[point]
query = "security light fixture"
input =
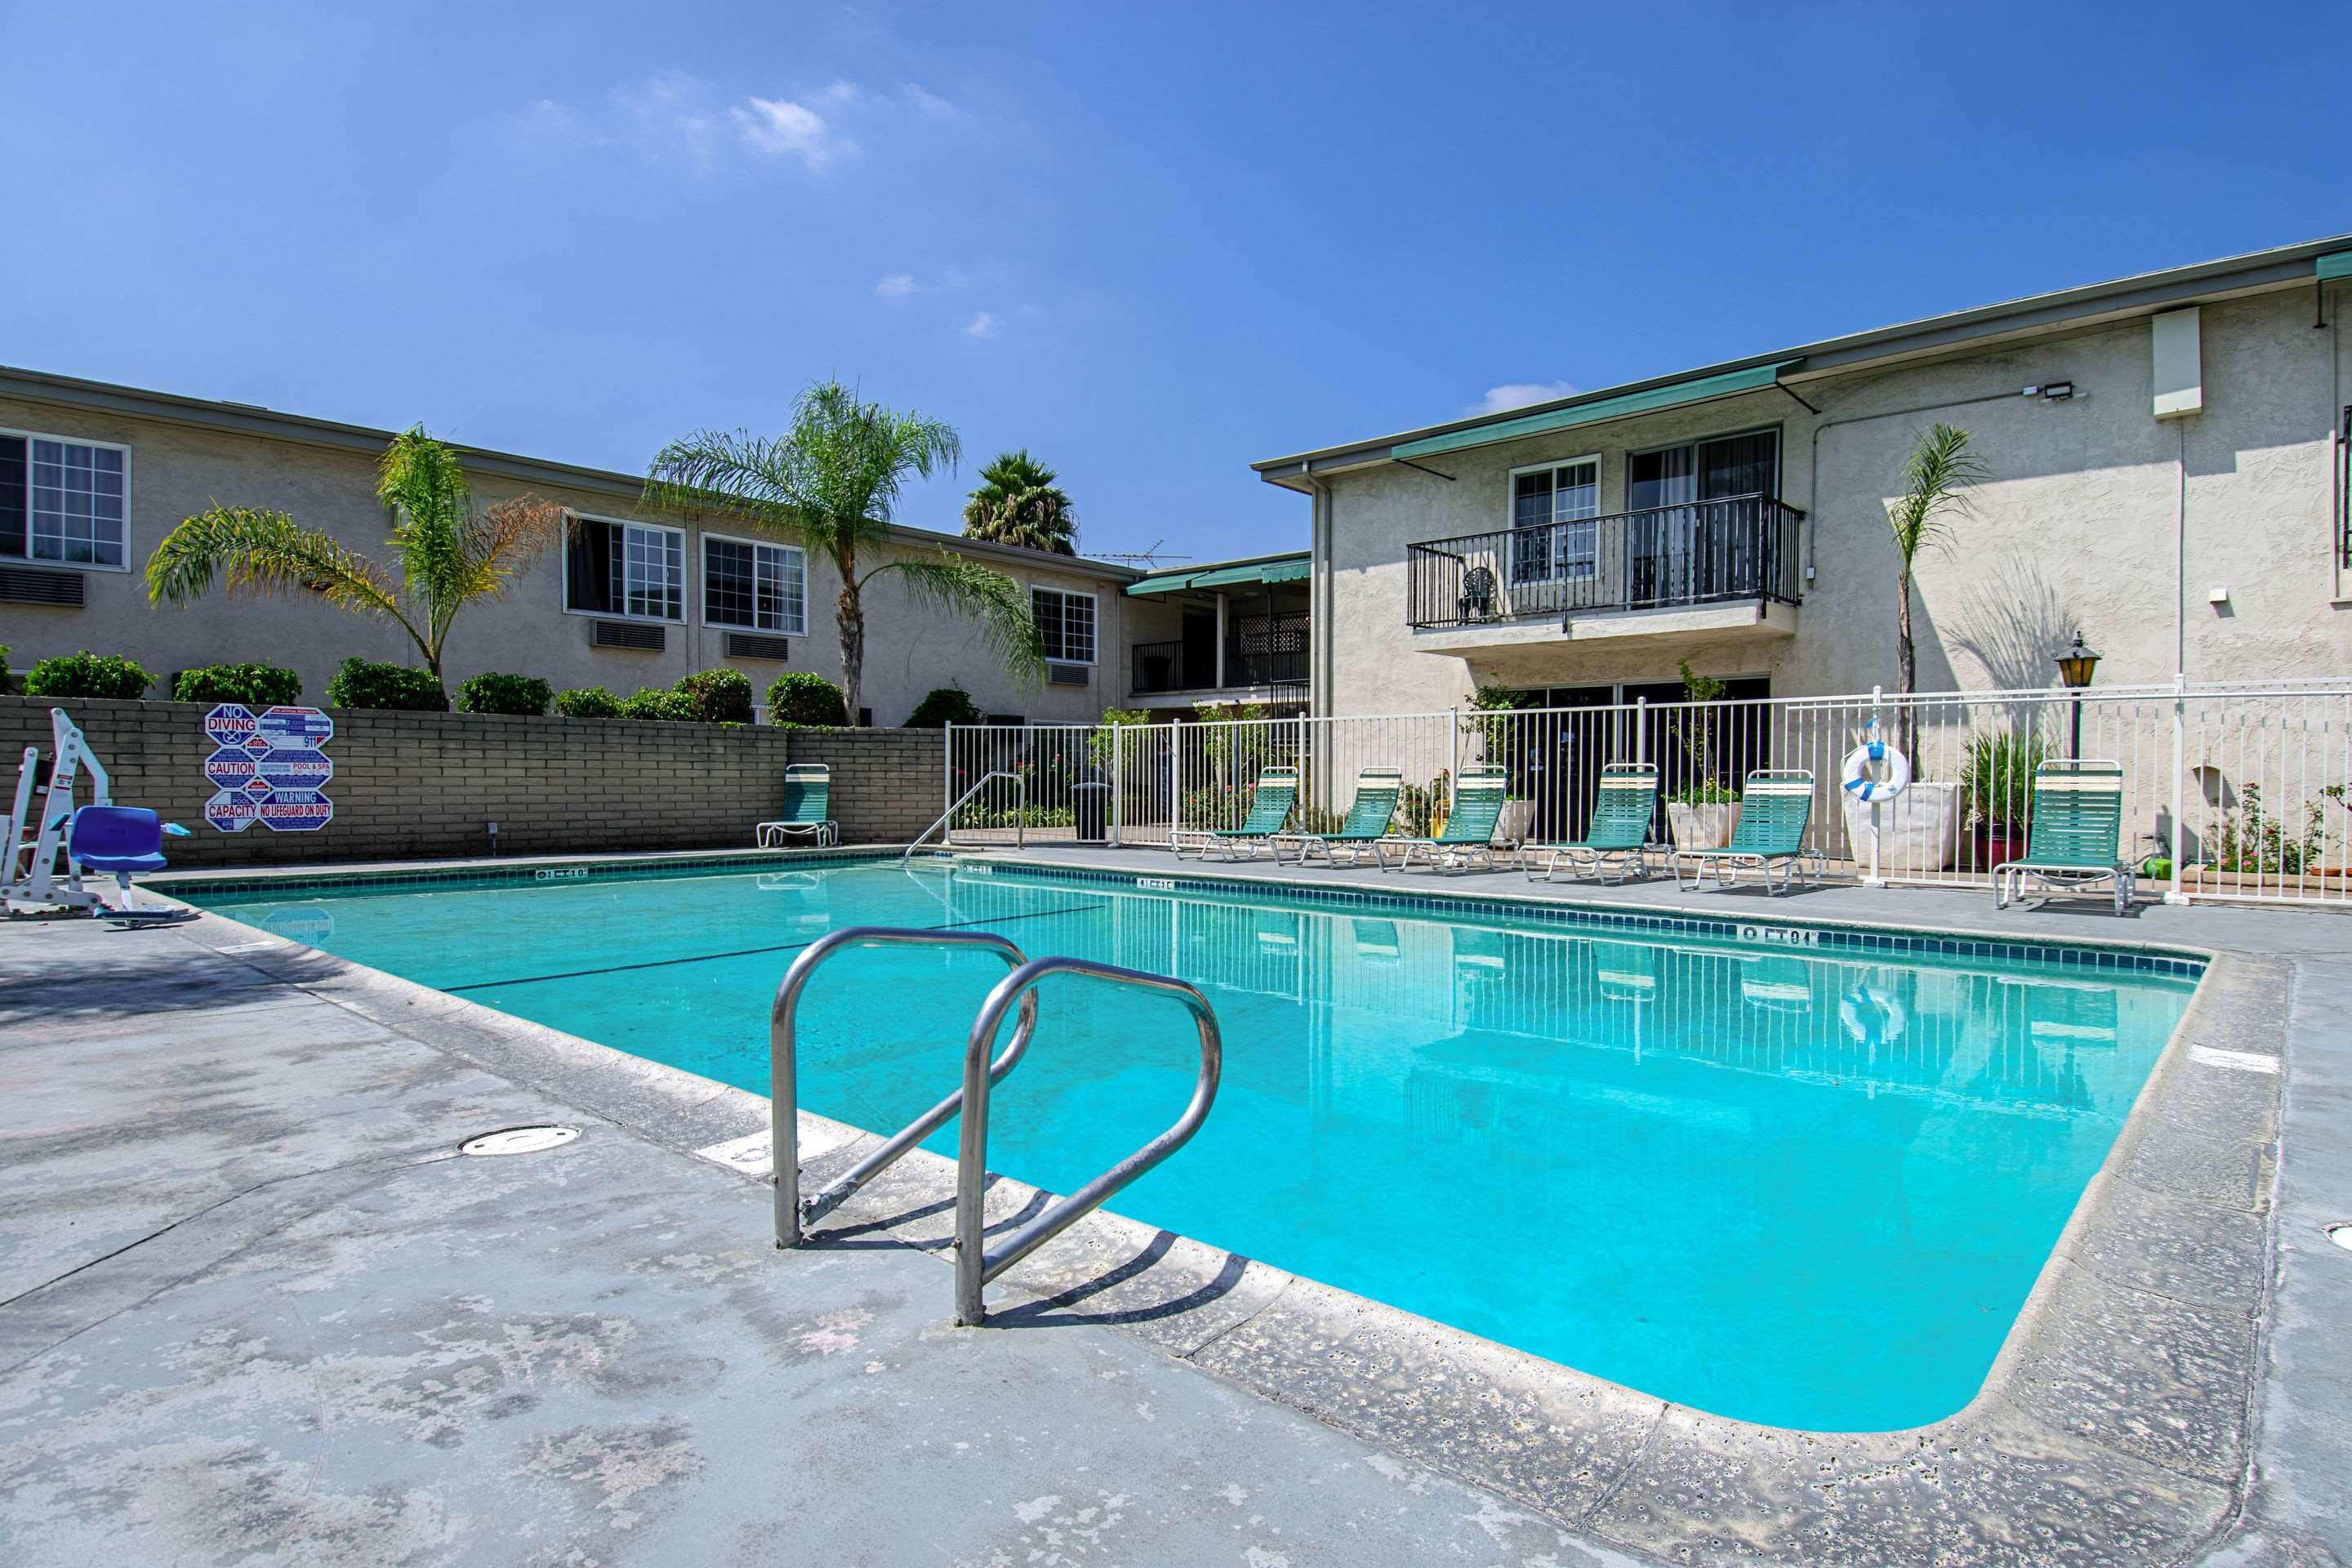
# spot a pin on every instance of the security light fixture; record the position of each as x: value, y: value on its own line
x: 2057, y: 390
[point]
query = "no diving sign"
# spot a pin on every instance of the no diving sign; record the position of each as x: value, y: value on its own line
x: 269, y: 768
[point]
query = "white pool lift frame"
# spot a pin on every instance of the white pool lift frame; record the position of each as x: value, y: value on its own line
x: 31, y: 874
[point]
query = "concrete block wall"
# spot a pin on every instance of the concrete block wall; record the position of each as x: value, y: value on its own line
x: 424, y: 786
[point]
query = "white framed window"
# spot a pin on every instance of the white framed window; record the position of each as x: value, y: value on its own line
x: 1068, y: 620
x: 754, y: 586
x: 636, y: 571
x: 64, y: 501
x: 1553, y: 536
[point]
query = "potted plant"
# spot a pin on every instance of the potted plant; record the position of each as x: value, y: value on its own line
x: 1996, y: 783
x: 1702, y: 814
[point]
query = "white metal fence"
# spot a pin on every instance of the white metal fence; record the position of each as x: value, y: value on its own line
x: 2246, y: 788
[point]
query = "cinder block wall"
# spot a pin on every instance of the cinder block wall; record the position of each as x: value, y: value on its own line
x: 422, y: 786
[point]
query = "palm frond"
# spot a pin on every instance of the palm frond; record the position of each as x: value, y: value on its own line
x: 264, y: 553
x: 731, y: 471
x: 494, y: 546
x: 998, y: 603
x: 1937, y: 476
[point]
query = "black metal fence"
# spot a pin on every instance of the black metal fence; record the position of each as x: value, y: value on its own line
x: 1695, y: 552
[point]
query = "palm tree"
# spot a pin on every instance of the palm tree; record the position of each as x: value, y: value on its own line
x: 1937, y: 478
x: 1021, y: 504
x: 830, y: 483
x: 449, y: 554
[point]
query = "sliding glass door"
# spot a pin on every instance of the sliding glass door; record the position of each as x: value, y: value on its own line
x: 1683, y: 551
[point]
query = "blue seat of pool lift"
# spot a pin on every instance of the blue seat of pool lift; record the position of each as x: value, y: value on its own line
x: 122, y: 841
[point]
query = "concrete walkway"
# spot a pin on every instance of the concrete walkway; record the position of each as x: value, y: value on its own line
x: 254, y: 1308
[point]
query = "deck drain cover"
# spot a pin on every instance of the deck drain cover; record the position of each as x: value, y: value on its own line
x: 518, y: 1141
x: 2340, y: 1233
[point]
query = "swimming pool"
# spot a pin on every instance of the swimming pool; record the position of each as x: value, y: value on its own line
x: 1791, y: 1177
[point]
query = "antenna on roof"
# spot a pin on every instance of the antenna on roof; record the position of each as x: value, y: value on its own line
x: 1151, y: 557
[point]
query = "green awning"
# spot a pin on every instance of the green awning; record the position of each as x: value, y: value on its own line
x: 2336, y: 264
x: 1279, y: 569
x: 1671, y: 396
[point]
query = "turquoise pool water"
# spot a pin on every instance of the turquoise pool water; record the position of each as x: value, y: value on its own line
x: 1809, y: 1188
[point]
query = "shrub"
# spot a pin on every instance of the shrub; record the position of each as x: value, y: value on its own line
x: 802, y: 697
x: 588, y: 702
x: 254, y: 685
x: 4, y: 666
x: 943, y: 706
x: 715, y: 696
x: 652, y: 702
x: 86, y: 674
x: 525, y: 694
x: 361, y: 683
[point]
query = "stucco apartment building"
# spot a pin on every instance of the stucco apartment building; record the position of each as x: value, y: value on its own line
x: 92, y: 476
x: 2167, y: 460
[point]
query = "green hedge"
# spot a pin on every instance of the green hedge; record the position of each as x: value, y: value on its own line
x: 801, y: 697
x: 653, y: 702
x: 588, y: 702
x: 86, y: 674
x: 254, y: 685
x: 363, y: 684
x: 716, y: 697
x: 941, y: 707
x: 525, y: 694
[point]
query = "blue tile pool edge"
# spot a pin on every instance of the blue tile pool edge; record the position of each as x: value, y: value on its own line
x: 1846, y: 936
x: 1812, y: 934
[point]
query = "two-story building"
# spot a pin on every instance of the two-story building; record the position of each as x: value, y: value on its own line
x: 2168, y: 477
x: 93, y: 474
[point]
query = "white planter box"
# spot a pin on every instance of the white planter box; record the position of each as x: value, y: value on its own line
x: 1701, y: 827
x: 1918, y: 830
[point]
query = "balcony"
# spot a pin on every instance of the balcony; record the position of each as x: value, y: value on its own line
x: 1265, y: 656
x: 1699, y: 566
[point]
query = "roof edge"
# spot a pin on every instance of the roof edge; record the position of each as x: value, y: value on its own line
x: 2144, y: 290
x: 272, y: 424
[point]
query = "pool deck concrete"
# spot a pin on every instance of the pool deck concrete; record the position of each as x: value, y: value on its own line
x: 253, y: 1306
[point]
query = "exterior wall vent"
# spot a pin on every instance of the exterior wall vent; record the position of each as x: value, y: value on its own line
x: 751, y: 644
x: 632, y: 635
x: 18, y: 586
x: 1069, y: 674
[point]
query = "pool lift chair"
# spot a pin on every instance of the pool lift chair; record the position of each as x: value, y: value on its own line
x: 119, y: 841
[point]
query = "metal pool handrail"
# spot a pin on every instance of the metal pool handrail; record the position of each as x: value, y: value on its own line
x: 1020, y: 810
x: 975, y: 1266
x: 793, y: 1215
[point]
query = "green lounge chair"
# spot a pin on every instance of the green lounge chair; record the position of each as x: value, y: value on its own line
x: 1369, y: 816
x: 1478, y: 796
x: 808, y: 795
x: 1776, y: 806
x: 1620, y: 828
x: 2077, y: 824
x: 1276, y: 792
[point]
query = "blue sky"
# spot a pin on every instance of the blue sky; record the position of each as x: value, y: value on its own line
x: 1151, y: 243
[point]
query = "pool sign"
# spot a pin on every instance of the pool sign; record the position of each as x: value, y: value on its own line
x: 269, y: 769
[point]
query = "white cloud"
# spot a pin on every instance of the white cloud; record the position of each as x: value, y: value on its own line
x: 929, y: 105
x: 780, y: 127
x: 671, y: 113
x: 896, y: 286
x: 984, y: 325
x: 1519, y: 394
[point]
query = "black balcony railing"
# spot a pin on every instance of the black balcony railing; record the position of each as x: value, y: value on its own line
x: 1260, y: 650
x: 1695, y: 552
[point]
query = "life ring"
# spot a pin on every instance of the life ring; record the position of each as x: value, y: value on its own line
x: 1897, y: 765
x: 1873, y: 1017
